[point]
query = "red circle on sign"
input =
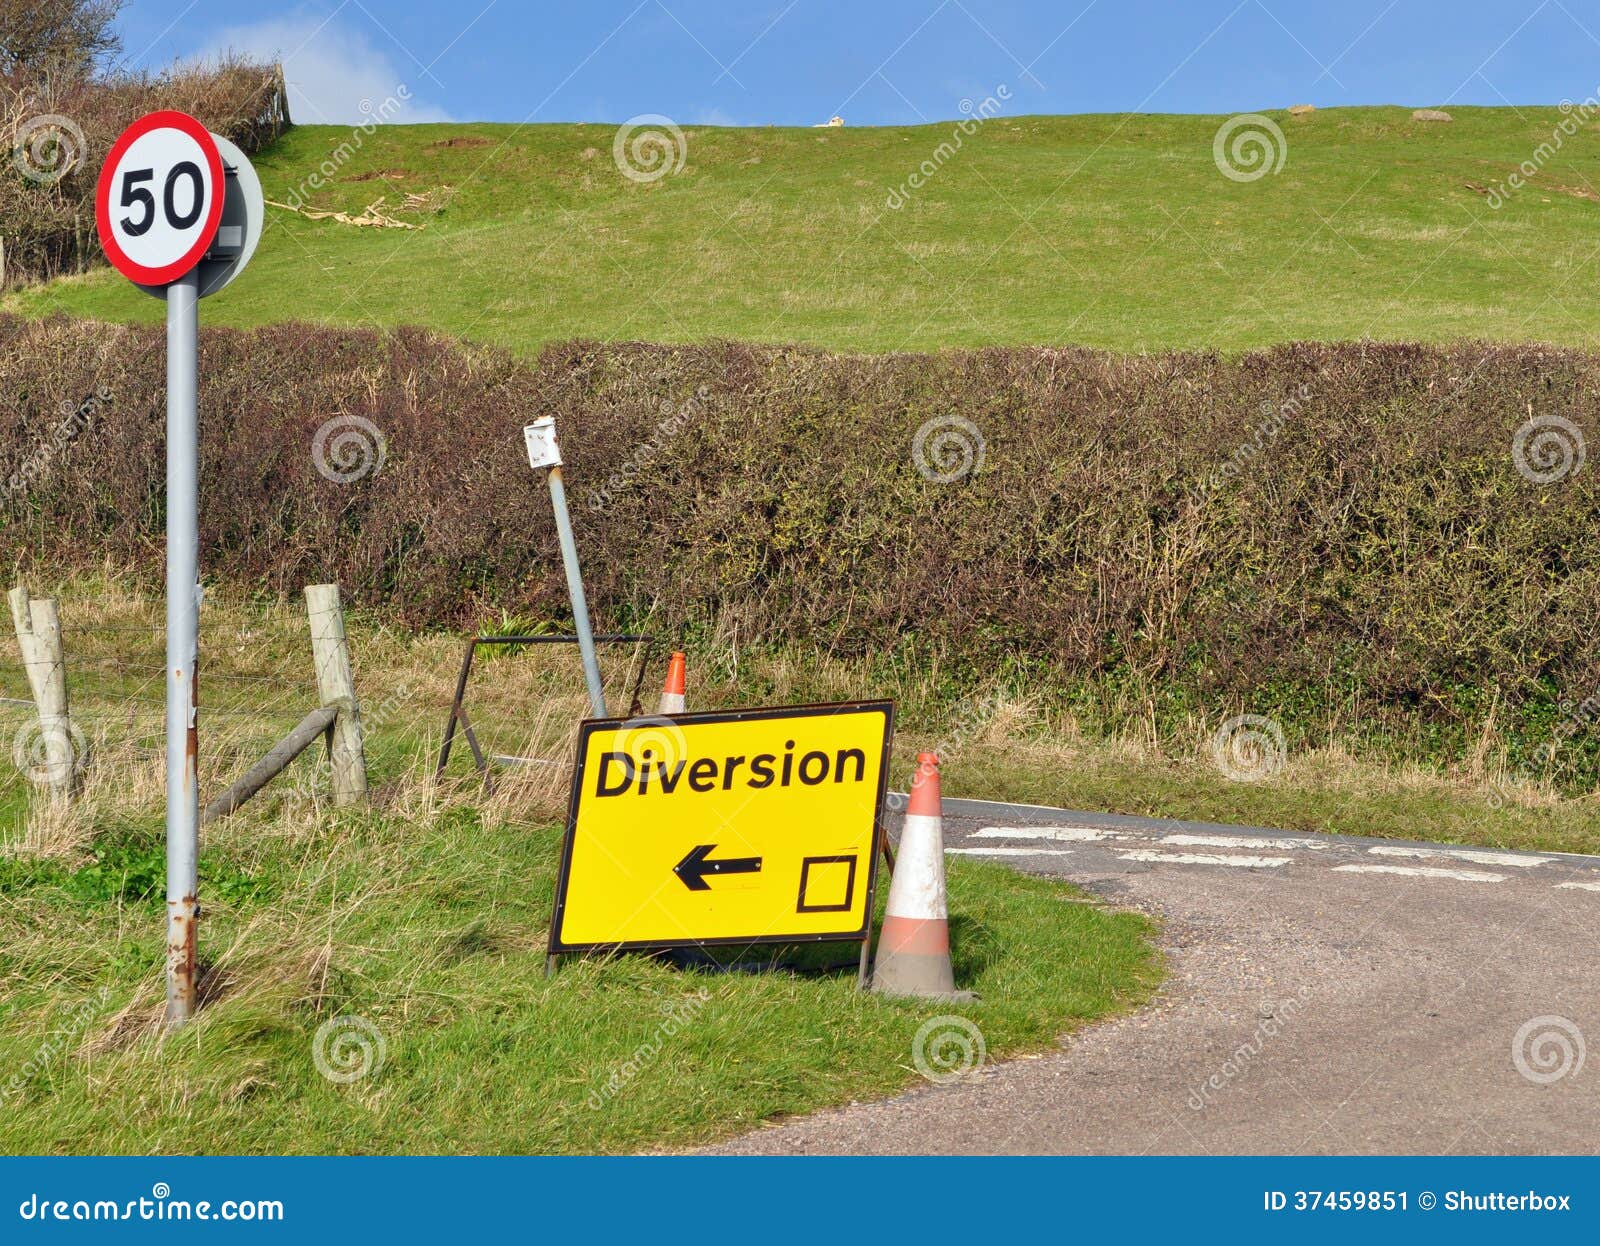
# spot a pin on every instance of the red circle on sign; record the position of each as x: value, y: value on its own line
x: 166, y: 273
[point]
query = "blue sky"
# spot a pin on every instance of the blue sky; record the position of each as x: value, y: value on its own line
x: 878, y: 62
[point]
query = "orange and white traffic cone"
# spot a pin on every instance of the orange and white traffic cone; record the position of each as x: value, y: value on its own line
x: 672, y: 690
x: 914, y: 946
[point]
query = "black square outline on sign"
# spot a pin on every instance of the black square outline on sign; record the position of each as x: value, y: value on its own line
x: 849, y: 885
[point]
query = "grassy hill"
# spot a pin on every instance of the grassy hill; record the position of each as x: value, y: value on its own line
x: 1109, y: 231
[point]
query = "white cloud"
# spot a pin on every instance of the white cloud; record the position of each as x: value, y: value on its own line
x: 336, y: 75
x: 714, y: 116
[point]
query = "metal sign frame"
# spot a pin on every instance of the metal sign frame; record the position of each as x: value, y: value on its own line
x: 879, y: 839
x: 458, y: 706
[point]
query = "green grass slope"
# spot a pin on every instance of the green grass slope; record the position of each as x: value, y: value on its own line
x: 1117, y: 232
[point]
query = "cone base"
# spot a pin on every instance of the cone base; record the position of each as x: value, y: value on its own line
x: 909, y: 974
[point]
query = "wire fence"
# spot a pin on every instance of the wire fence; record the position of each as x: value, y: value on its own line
x: 257, y: 679
x: 254, y: 685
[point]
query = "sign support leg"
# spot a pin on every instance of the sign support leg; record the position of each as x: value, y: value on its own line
x: 183, y: 641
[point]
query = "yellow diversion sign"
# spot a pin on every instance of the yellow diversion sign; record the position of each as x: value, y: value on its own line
x: 739, y: 827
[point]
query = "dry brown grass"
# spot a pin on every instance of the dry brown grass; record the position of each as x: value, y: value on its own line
x: 525, y: 704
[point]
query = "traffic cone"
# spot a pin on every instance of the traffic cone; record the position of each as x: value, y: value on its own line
x: 672, y: 690
x: 914, y: 945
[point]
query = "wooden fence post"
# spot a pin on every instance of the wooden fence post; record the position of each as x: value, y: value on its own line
x: 38, y: 627
x: 281, y: 121
x: 318, y: 722
x: 336, y: 686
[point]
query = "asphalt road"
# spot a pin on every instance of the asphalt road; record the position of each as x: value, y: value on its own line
x: 1325, y: 995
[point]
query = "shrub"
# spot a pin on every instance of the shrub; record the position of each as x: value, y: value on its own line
x: 47, y: 226
x: 1329, y: 529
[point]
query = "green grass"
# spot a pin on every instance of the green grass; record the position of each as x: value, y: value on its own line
x: 432, y: 930
x: 426, y: 916
x: 1110, y: 231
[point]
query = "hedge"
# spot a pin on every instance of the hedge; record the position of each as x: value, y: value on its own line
x: 1345, y: 517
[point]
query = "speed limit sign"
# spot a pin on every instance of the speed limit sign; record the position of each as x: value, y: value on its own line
x: 179, y: 212
x: 160, y: 198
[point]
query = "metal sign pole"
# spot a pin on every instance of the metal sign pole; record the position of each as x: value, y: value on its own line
x: 179, y: 212
x: 544, y: 451
x: 580, y: 604
x: 183, y: 640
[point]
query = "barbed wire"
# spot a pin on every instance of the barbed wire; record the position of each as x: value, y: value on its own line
x: 256, y: 679
x: 253, y: 683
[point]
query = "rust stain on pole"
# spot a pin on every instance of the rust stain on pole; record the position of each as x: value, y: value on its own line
x: 181, y: 938
x: 191, y: 745
x: 183, y: 913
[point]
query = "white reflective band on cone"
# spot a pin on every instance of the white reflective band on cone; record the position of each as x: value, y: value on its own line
x: 917, y: 888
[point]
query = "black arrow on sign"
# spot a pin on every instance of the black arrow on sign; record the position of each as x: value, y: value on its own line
x: 694, y: 867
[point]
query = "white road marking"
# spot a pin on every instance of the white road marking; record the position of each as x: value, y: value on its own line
x: 1422, y: 871
x: 1462, y: 854
x: 1240, y: 841
x: 1009, y: 852
x: 1068, y: 834
x: 1581, y: 886
x: 1202, y: 858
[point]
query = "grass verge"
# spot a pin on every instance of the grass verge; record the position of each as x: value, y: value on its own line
x: 425, y: 917
x: 429, y: 926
